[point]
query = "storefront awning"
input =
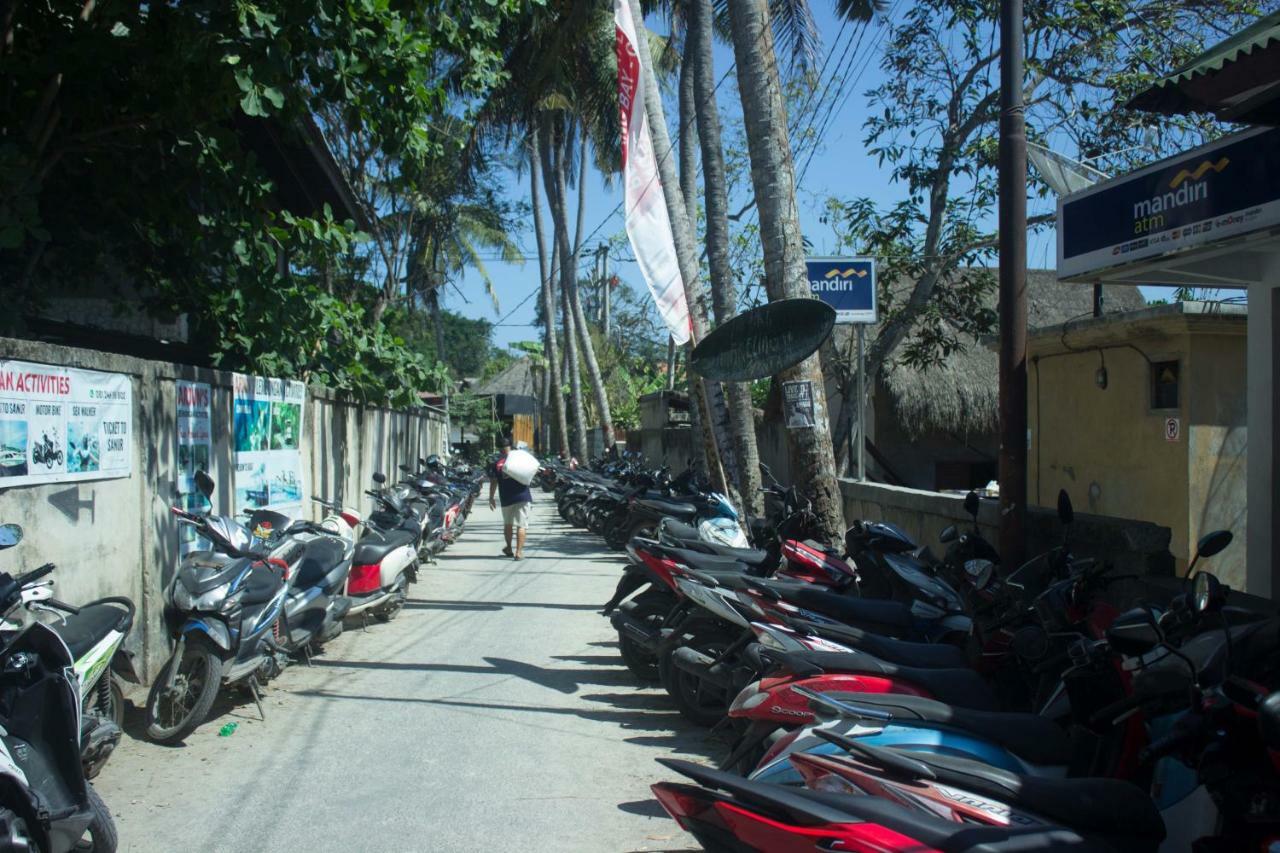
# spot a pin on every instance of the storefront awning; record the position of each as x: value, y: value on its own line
x: 1237, y: 80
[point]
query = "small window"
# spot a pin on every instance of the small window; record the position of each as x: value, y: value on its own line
x: 1164, y: 385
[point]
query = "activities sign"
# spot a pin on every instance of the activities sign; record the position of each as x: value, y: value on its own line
x: 267, y: 427
x: 1227, y: 188
x: 59, y: 424
x: 194, y: 441
x: 846, y: 284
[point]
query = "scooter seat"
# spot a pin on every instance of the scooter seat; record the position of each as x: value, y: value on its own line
x: 1030, y: 736
x: 700, y: 561
x: 372, y: 549
x: 927, y: 655
x: 956, y: 686
x: 677, y: 509
x: 881, y: 616
x: 82, y: 631
x: 1110, y: 806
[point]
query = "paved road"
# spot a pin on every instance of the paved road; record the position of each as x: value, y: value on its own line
x: 493, y: 714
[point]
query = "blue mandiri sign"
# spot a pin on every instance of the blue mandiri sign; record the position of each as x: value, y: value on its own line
x: 846, y: 284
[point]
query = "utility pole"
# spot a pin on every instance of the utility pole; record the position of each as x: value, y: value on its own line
x: 1013, y: 288
x: 605, y: 295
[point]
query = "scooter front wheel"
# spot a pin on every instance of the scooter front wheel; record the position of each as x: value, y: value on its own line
x: 102, y: 835
x: 173, y: 712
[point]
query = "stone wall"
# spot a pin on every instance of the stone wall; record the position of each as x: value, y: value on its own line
x: 117, y: 537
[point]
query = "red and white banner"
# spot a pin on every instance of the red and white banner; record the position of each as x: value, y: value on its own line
x: 648, y: 225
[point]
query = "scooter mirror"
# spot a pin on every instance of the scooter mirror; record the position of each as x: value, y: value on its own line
x: 1213, y: 543
x: 379, y: 478
x: 971, y: 503
x: 949, y: 534
x: 10, y: 535
x: 205, y: 484
x: 1065, y: 513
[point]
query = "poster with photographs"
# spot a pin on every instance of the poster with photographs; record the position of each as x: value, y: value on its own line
x: 194, y: 443
x: 267, y: 428
x: 797, y: 405
x: 60, y: 424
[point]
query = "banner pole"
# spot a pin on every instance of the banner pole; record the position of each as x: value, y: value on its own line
x: 862, y: 403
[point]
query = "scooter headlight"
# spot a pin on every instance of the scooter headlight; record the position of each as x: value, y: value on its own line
x: 749, y: 697
x: 182, y: 598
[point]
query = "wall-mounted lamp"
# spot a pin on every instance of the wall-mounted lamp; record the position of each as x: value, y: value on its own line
x: 1100, y: 376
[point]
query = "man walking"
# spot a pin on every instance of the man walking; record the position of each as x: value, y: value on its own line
x: 516, y: 499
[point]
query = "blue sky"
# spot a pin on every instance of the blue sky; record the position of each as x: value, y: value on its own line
x: 838, y: 167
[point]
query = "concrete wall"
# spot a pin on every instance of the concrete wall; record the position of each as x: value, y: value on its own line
x: 1107, y: 447
x: 1137, y: 547
x: 117, y: 537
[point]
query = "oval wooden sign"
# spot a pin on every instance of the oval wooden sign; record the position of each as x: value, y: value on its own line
x: 764, y: 341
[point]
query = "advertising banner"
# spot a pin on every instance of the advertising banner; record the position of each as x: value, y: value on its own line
x: 267, y: 428
x: 797, y: 404
x: 647, y: 222
x: 60, y: 424
x: 194, y: 444
x: 846, y: 284
x: 1224, y: 189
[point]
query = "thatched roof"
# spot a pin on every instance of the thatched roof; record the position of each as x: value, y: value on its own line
x: 516, y: 379
x: 961, y: 395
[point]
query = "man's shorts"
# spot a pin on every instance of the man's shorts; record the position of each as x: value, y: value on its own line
x: 516, y: 515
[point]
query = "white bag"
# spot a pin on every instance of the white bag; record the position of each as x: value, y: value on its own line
x: 521, y: 466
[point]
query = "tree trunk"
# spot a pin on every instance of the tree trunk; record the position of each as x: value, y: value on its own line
x: 552, y: 154
x: 707, y: 397
x: 437, y: 322
x: 555, y: 400
x: 688, y: 136
x: 773, y: 176
x: 594, y: 376
x: 742, y: 423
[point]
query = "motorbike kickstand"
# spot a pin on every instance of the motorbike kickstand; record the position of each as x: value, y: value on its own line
x: 364, y: 622
x: 257, y: 697
x: 306, y: 653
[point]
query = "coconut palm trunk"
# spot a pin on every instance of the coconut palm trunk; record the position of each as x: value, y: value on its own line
x: 773, y: 176
x: 551, y: 388
x: 594, y: 375
x: 707, y: 396
x: 550, y: 146
x: 724, y: 299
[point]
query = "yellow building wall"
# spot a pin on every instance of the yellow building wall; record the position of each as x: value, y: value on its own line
x: 1107, y: 448
x: 1217, y: 446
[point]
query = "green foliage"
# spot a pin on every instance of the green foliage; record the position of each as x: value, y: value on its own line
x: 132, y: 164
x: 933, y: 130
x: 467, y: 342
x: 474, y: 414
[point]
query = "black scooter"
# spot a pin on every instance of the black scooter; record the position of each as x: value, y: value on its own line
x: 238, y: 613
x: 46, y: 804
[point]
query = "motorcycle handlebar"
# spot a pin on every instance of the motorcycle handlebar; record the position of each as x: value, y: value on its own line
x: 35, y: 574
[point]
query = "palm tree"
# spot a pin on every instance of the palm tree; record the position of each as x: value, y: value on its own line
x: 550, y: 384
x: 773, y: 176
x: 562, y: 82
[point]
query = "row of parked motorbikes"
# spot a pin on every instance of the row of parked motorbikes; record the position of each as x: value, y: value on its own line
x: 262, y: 591
x: 880, y: 698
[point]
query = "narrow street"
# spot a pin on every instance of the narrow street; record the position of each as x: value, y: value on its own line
x: 493, y: 713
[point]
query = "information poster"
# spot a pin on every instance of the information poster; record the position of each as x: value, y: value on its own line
x: 797, y: 404
x: 267, y: 425
x: 194, y: 444
x: 60, y: 424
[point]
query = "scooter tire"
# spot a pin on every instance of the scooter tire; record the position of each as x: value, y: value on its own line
x: 650, y: 607
x: 685, y: 688
x: 195, y: 647
x: 392, y: 608
x: 103, y: 837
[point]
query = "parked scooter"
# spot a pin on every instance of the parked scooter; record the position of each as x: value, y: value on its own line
x: 94, y: 635
x: 225, y: 608
x: 385, y: 561
x: 46, y: 804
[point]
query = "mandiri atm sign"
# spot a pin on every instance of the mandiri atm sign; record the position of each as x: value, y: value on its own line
x: 846, y: 284
x: 1224, y: 189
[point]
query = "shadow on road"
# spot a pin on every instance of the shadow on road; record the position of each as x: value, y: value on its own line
x: 564, y: 680
x: 440, y: 604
